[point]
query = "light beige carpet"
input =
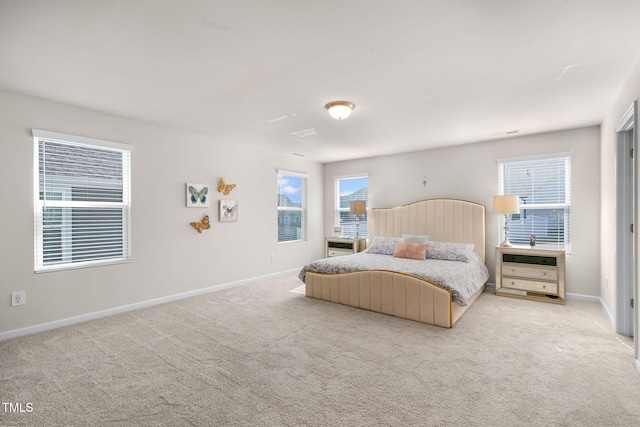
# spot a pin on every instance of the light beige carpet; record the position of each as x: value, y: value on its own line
x: 262, y: 355
x: 299, y: 290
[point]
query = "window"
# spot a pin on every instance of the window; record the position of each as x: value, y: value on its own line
x: 347, y: 189
x: 82, y: 196
x: 292, y: 206
x: 543, y: 185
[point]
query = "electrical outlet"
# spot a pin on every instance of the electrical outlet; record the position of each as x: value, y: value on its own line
x: 273, y: 257
x: 17, y: 298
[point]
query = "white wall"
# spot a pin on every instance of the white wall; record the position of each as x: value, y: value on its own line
x: 169, y: 257
x: 470, y: 172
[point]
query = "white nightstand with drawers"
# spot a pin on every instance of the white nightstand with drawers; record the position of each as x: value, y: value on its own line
x: 530, y: 273
x: 337, y: 246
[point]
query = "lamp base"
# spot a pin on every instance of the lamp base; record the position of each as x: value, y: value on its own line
x: 505, y: 244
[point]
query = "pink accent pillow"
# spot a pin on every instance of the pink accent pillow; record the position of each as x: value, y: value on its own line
x: 410, y: 250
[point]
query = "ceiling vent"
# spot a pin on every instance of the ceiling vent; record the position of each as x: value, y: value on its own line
x: 305, y: 133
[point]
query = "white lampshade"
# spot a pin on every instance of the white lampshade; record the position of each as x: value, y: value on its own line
x: 340, y: 109
x: 507, y: 204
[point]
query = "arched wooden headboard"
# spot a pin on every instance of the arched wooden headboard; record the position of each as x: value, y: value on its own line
x: 443, y: 220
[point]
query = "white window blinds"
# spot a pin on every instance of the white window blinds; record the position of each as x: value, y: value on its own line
x: 543, y: 185
x: 292, y: 206
x: 347, y: 189
x: 82, y: 201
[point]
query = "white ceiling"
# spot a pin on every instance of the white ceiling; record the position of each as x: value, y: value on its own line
x: 422, y: 74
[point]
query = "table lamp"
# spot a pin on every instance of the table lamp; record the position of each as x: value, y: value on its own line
x: 506, y: 204
x: 358, y: 207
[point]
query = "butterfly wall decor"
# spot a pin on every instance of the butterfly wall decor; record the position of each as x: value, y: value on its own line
x: 225, y: 188
x: 200, y: 226
x: 228, y: 210
x: 197, y: 195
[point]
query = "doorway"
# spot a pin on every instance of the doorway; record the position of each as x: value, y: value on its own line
x: 626, y: 227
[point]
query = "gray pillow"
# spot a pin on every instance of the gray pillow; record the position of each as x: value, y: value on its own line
x: 415, y: 238
x: 383, y: 245
x: 450, y: 251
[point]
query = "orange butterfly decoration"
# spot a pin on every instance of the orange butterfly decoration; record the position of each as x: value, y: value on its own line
x: 202, y: 225
x: 225, y: 188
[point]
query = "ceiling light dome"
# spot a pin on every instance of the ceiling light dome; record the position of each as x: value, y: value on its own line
x: 340, y: 109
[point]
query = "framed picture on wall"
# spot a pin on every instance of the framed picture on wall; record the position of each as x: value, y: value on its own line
x: 228, y: 210
x: 197, y: 195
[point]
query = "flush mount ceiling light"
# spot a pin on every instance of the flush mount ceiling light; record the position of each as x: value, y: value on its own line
x: 340, y: 109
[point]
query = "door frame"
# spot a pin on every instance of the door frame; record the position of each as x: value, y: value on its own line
x: 626, y: 215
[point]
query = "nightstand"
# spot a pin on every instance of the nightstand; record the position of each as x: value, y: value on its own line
x: 530, y: 273
x: 337, y: 246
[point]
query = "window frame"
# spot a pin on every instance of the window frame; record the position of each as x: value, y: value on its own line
x: 304, y: 177
x: 337, y: 210
x: 564, y: 206
x: 66, y: 205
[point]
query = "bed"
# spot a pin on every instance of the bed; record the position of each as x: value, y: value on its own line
x: 378, y: 281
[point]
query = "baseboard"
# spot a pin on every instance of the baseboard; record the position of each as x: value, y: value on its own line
x: 609, y: 315
x: 638, y: 366
x: 598, y: 300
x: 143, y: 304
x: 581, y: 297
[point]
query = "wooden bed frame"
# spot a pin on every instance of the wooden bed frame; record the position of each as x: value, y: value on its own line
x: 398, y: 294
